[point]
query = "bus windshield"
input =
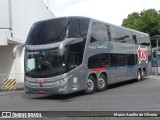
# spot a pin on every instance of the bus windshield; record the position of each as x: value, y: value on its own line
x: 47, y: 32
x: 56, y: 30
x: 44, y: 63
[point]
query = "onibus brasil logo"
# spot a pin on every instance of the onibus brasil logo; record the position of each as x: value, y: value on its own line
x: 142, y: 54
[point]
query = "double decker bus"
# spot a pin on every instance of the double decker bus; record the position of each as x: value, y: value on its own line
x: 70, y: 54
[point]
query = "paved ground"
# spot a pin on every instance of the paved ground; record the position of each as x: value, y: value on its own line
x: 132, y: 96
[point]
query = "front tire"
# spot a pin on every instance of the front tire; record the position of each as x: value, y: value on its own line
x: 102, y: 83
x: 91, y: 85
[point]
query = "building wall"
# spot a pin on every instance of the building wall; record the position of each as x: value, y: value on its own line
x: 24, y: 14
x: 4, y: 33
x: 5, y: 23
x: 4, y: 14
x: 7, y: 65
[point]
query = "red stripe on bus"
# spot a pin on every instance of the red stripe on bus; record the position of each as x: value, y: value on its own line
x: 98, y: 69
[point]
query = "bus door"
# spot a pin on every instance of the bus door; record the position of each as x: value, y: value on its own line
x: 76, y: 72
x: 74, y: 60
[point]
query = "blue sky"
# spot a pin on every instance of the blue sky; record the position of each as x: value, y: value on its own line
x: 111, y: 11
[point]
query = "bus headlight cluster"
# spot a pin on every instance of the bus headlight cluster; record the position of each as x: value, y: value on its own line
x: 59, y: 82
x: 26, y: 82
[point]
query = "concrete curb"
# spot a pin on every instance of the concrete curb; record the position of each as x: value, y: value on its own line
x: 155, y: 76
x: 19, y: 86
x: 4, y: 93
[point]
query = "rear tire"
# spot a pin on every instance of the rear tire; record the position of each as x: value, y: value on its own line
x: 139, y: 76
x: 143, y: 74
x: 102, y: 83
x: 91, y: 85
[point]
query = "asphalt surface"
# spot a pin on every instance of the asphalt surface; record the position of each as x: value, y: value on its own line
x: 126, y: 96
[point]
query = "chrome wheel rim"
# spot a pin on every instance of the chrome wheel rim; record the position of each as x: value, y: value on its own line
x: 101, y: 83
x: 143, y: 74
x: 90, y: 85
x: 139, y: 76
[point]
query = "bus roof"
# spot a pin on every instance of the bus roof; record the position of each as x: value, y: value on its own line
x: 92, y: 19
x: 122, y: 27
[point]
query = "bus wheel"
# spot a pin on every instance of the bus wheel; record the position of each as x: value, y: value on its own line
x: 91, y: 85
x: 139, y: 75
x: 102, y: 83
x: 143, y: 74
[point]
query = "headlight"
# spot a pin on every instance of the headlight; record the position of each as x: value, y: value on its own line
x: 59, y: 82
x: 56, y: 83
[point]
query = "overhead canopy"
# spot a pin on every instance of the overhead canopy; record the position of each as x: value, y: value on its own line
x: 6, y: 38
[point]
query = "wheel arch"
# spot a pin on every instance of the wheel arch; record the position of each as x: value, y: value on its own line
x: 144, y: 68
x: 92, y: 74
x: 104, y: 73
x: 139, y: 68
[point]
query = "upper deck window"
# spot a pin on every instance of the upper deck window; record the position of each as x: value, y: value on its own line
x: 78, y: 28
x: 47, y: 32
x: 99, y: 32
x: 122, y: 35
x: 57, y: 30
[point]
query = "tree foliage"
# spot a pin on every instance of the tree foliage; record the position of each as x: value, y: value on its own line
x: 147, y: 21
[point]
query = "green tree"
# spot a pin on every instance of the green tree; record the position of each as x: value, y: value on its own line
x: 147, y: 21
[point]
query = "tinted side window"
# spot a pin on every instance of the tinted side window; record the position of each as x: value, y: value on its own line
x: 111, y: 60
x: 78, y: 28
x: 122, y: 59
x: 118, y: 60
x: 132, y: 59
x: 145, y: 41
x: 99, y: 32
x: 122, y: 35
x: 98, y: 61
x: 141, y: 39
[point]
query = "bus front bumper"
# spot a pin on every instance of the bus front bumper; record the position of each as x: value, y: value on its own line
x: 46, y: 88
